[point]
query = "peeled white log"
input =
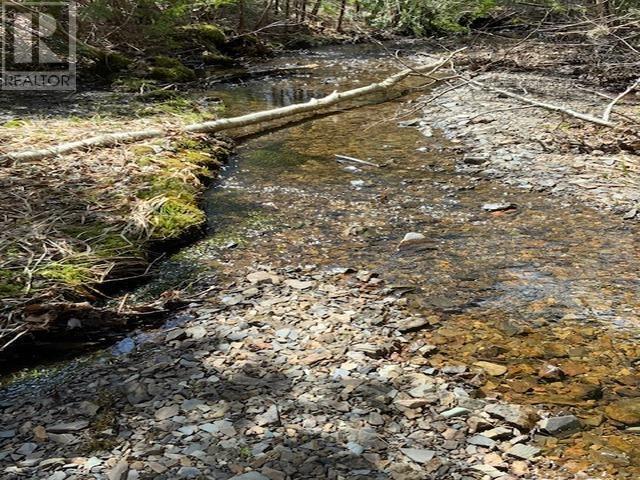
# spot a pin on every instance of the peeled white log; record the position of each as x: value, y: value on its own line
x: 111, y: 139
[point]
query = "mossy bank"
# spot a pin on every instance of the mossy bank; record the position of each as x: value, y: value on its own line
x: 103, y: 230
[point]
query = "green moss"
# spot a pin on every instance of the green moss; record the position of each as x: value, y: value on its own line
x: 167, y: 62
x: 207, y: 34
x: 176, y: 217
x: 105, y: 63
x: 15, y: 123
x: 133, y: 84
x: 157, y: 95
x: 167, y: 69
x: 216, y: 58
x: 177, y: 74
x: 170, y: 187
x: 10, y: 284
x: 69, y: 273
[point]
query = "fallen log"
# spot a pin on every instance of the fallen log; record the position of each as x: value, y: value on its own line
x: 112, y: 139
x: 544, y: 105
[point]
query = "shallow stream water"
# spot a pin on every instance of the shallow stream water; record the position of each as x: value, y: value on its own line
x: 546, y: 282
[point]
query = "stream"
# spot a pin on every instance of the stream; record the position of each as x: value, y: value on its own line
x: 543, y: 282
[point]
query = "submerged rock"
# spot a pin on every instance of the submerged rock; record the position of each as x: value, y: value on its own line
x: 498, y: 207
x: 625, y: 411
x: 520, y: 416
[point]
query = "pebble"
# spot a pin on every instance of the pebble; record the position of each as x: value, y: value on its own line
x: 165, y: 413
x: 250, y: 476
x: 455, y: 412
x: 492, y: 369
x: 307, y: 357
x: 68, y: 427
x: 189, y: 472
x: 481, y: 441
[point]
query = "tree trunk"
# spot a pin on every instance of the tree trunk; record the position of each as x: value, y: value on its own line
x: 264, y: 16
x: 343, y: 7
x: 316, y: 8
x: 113, y: 139
x: 241, y: 20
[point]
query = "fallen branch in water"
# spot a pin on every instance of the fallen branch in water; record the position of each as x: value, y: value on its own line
x: 356, y: 160
x: 111, y: 139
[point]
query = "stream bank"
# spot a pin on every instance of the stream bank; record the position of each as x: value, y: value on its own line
x: 301, y: 284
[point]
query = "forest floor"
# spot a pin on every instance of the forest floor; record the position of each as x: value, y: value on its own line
x: 499, y: 341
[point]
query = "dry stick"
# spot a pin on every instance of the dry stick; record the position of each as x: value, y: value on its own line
x: 356, y: 160
x: 111, y: 139
x: 607, y: 111
x: 547, y: 106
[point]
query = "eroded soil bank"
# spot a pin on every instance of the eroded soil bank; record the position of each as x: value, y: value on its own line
x: 316, y: 347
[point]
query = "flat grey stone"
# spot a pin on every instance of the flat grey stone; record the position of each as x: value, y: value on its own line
x: 188, y: 472
x: 498, y: 433
x: 563, y: 426
x: 63, y: 438
x: 418, y: 455
x: 68, y: 427
x: 525, y: 452
x: 493, y: 472
x: 165, y: 413
x: 250, y: 476
x: 27, y: 448
x: 481, y: 441
x: 57, y: 476
x: 455, y: 412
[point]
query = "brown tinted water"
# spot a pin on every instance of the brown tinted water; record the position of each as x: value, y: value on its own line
x: 549, y: 282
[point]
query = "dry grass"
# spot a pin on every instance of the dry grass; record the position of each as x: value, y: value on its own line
x: 69, y: 224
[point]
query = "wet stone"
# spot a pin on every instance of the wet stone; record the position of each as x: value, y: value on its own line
x: 498, y: 207
x: 563, y: 426
x: 626, y: 411
x: 492, y: 369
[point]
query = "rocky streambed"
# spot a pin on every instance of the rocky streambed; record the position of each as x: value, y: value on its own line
x: 406, y: 321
